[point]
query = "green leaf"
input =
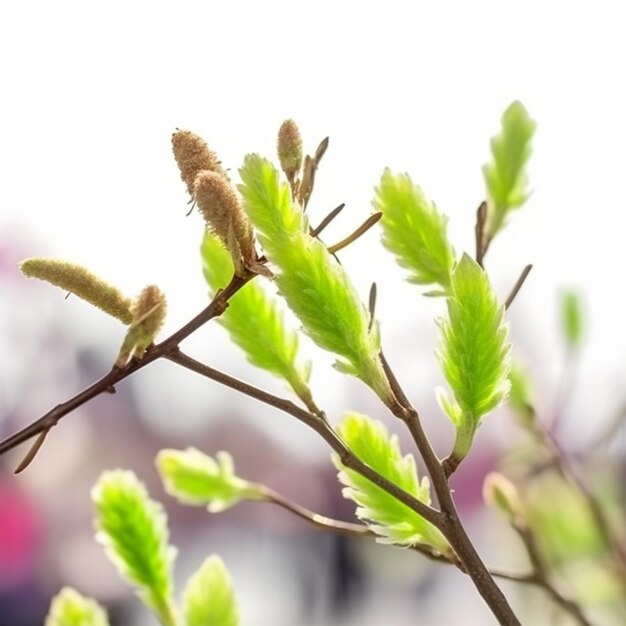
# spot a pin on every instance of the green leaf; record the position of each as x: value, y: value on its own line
x: 133, y: 530
x: 474, y: 352
x: 505, y: 176
x: 315, y: 286
x: 208, y: 597
x: 70, y: 608
x: 572, y: 322
x: 193, y: 477
x: 414, y: 230
x: 255, y: 322
x: 389, y: 518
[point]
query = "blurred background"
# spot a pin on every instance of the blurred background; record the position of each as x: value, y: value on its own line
x: 91, y: 92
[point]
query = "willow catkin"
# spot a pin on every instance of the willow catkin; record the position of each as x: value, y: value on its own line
x: 81, y: 282
x: 222, y: 211
x: 290, y: 149
x: 148, y: 310
x: 193, y: 156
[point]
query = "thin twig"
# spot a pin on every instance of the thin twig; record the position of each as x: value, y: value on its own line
x: 362, y: 229
x: 319, y: 521
x: 327, y: 220
x: 541, y: 577
x: 107, y: 382
x: 321, y: 427
x: 517, y: 286
x: 479, y: 232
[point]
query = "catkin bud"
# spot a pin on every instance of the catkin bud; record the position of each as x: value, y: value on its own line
x: 222, y: 212
x: 193, y: 155
x: 290, y: 149
x: 501, y: 494
x: 82, y: 283
x: 148, y: 310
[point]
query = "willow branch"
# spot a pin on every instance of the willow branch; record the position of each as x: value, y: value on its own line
x: 320, y: 426
x: 517, y: 286
x: 540, y: 576
x: 107, y: 383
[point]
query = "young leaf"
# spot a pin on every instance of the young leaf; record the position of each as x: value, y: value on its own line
x: 255, y: 322
x: 414, y: 230
x: 571, y: 319
x: 208, y: 597
x: 70, y: 608
x: 393, y: 521
x: 133, y: 530
x: 505, y: 176
x: 474, y: 352
x: 195, y: 478
x: 315, y: 286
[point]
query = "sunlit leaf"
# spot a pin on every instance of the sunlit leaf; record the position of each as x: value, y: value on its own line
x: 505, y: 176
x: 255, y: 322
x: 474, y: 352
x: 70, y: 608
x: 133, y: 530
x: 392, y: 520
x: 315, y: 286
x: 208, y: 597
x: 196, y: 478
x: 414, y: 230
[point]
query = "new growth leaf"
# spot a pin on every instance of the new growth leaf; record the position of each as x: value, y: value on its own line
x: 315, y: 286
x: 505, y: 176
x: 70, y: 608
x: 193, y: 477
x: 208, y: 597
x: 414, y: 230
x: 133, y: 530
x: 391, y: 520
x: 474, y: 352
x: 255, y: 322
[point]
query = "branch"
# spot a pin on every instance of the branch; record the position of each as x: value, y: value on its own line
x: 451, y: 526
x: 107, y: 383
x: 517, y: 286
x: 541, y: 577
x: 320, y: 426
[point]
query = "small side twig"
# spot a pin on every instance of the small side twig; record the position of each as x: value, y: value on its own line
x: 540, y: 576
x: 518, y: 285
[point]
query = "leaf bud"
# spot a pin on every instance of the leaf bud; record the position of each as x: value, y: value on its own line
x: 501, y: 494
x: 290, y: 149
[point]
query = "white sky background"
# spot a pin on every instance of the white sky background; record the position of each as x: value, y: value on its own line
x: 95, y: 90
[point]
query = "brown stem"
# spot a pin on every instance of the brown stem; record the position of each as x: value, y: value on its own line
x: 479, y: 232
x: 517, y: 286
x: 450, y: 526
x: 320, y: 426
x: 106, y: 383
x: 541, y: 577
x: 319, y: 521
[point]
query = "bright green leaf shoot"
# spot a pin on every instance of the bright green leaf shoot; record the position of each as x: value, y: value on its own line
x: 414, y: 230
x: 193, y: 477
x: 572, y: 321
x: 393, y: 521
x: 315, y: 286
x: 474, y: 352
x: 505, y: 176
x: 133, y: 530
x: 254, y: 321
x: 208, y: 597
x: 70, y: 608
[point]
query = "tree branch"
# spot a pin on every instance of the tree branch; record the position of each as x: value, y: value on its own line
x: 320, y: 426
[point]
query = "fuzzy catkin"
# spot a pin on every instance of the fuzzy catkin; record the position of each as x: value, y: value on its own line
x: 222, y: 212
x: 193, y: 156
x: 81, y: 282
x: 290, y: 148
